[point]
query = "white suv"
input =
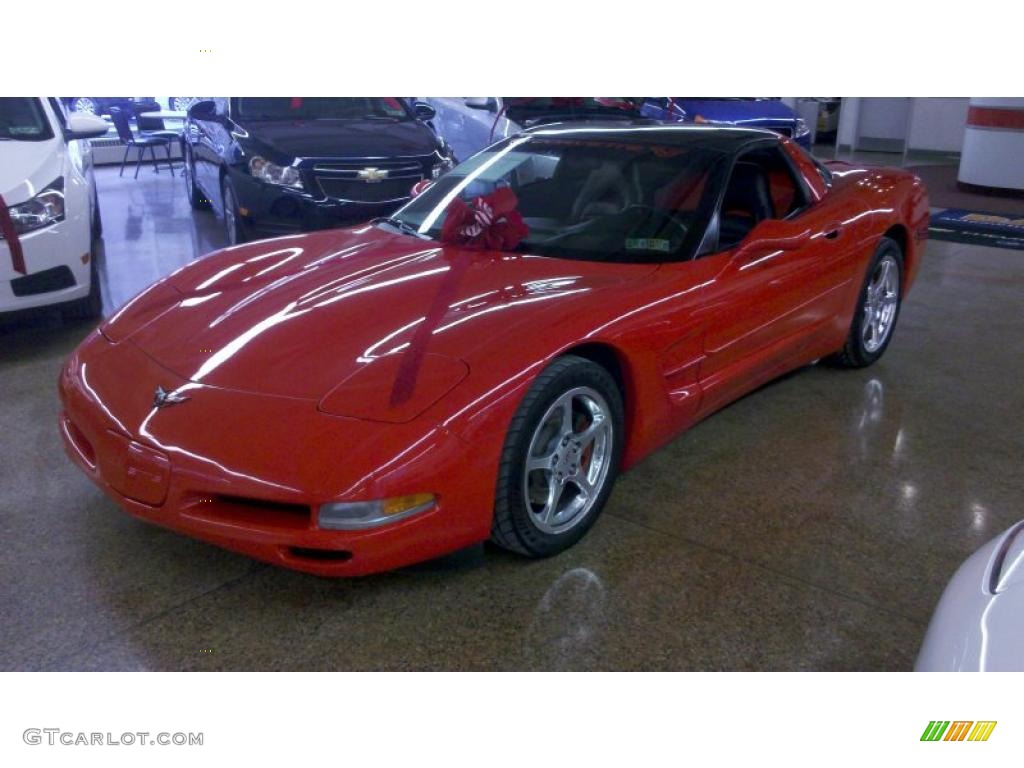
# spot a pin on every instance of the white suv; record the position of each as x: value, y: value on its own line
x: 49, y: 217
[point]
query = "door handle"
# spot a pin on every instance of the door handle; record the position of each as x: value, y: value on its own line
x: 833, y: 231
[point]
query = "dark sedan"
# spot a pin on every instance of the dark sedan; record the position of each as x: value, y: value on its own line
x: 279, y: 165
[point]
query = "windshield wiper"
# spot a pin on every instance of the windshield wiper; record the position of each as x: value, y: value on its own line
x: 401, y: 226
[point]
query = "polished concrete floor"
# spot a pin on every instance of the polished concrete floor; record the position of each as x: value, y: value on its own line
x: 811, y: 525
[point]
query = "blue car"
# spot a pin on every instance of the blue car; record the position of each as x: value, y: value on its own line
x: 746, y: 113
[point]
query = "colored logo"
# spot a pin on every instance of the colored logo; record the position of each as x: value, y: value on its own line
x: 958, y: 730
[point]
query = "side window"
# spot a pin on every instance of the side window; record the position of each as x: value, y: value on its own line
x: 762, y: 186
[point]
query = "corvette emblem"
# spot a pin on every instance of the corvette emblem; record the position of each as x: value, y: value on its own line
x: 163, y: 399
x: 372, y: 175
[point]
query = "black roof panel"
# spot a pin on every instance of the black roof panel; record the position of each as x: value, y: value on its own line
x: 718, y: 138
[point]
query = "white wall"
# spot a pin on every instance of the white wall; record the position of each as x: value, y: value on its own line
x: 884, y: 118
x: 938, y: 124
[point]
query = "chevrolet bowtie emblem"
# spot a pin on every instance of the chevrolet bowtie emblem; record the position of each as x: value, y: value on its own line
x: 372, y: 175
x: 162, y: 398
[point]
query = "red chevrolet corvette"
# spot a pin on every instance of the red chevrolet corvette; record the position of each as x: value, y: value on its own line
x: 483, y: 364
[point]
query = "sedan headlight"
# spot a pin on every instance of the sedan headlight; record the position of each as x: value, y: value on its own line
x: 442, y: 167
x: 44, y: 209
x: 272, y: 173
x: 801, y: 129
x: 357, y: 515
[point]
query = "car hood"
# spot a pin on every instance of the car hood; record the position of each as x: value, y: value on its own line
x: 979, y: 621
x: 296, y: 316
x: 343, y: 138
x: 737, y: 111
x: 27, y: 167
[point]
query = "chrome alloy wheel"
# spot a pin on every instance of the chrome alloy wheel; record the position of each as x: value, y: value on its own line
x: 568, y: 459
x: 880, y: 303
x: 85, y: 105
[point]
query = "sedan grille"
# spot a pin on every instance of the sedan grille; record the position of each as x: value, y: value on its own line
x: 369, y: 181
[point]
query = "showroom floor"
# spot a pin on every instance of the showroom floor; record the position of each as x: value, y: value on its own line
x: 812, y: 525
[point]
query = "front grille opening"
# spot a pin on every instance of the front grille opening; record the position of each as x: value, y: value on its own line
x: 249, y: 512
x: 321, y: 555
x: 47, y: 281
x: 82, y: 445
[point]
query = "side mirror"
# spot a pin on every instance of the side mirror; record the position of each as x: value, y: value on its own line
x: 203, y: 110
x: 85, y: 126
x: 772, y: 235
x: 479, y: 102
x: 420, y: 187
x: 424, y: 111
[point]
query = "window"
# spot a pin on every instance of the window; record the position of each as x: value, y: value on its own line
x: 601, y: 199
x: 23, y: 119
x: 762, y: 186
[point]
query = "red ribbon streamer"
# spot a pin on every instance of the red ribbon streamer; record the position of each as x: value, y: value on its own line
x: 492, y: 223
x: 11, y: 236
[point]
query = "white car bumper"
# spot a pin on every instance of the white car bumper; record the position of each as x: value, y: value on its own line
x: 65, y: 244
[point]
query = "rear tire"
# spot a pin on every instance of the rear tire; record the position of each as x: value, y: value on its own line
x: 878, y: 308
x: 560, y: 459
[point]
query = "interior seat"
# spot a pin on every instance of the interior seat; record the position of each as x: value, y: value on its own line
x: 747, y: 202
x: 606, y: 192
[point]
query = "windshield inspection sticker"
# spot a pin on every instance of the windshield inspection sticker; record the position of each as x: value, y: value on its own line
x: 647, y: 244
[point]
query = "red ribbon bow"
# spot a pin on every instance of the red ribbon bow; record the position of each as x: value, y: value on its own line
x: 11, y: 236
x: 492, y: 223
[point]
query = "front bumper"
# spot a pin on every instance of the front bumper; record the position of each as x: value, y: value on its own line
x: 247, y: 472
x: 57, y: 259
x: 270, y: 210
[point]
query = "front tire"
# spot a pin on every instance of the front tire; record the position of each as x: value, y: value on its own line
x: 878, y: 308
x: 234, y: 226
x: 560, y: 460
x: 90, y: 307
x: 196, y: 198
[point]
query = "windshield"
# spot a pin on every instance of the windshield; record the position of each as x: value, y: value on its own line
x: 303, y: 108
x: 23, y: 119
x: 593, y: 199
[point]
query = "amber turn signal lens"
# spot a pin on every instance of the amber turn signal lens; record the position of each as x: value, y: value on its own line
x: 400, y: 504
x: 357, y: 515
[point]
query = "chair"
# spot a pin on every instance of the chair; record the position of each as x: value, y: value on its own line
x: 154, y: 127
x: 142, y: 143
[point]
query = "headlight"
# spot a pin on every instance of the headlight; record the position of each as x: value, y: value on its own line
x: 356, y: 515
x: 801, y: 128
x: 44, y: 209
x: 284, y: 176
x: 444, y: 165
